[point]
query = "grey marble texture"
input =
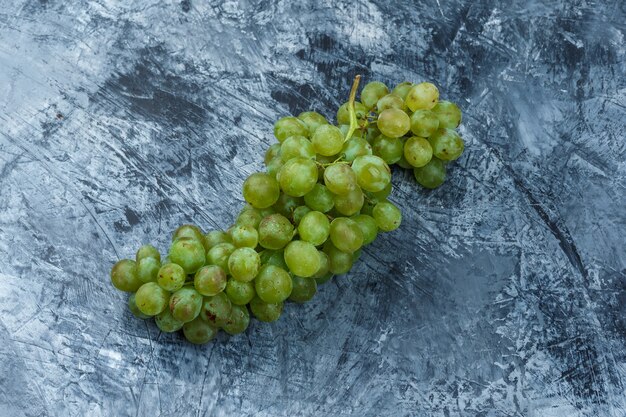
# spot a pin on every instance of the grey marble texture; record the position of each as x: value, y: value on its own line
x: 503, y: 293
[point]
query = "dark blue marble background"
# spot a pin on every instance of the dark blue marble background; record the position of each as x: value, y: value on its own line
x: 503, y: 294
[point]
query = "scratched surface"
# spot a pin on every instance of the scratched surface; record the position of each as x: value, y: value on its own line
x: 503, y: 294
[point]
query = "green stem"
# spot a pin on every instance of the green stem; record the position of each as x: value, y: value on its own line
x: 351, y: 111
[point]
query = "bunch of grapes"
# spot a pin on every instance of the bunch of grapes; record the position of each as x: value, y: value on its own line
x: 321, y: 199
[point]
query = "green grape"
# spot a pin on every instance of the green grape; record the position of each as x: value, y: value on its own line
x: 356, y: 255
x: 357, y: 133
x: 350, y: 203
x: 274, y: 257
x: 403, y: 163
x: 343, y: 114
x: 324, y: 279
x: 273, y: 284
x: 339, y: 178
x: 238, y: 320
x: 244, y: 236
x: 303, y: 289
x: 324, y: 268
x: 354, y: 148
x: 393, y: 123
x: 219, y: 254
x: 431, y: 175
x: 188, y: 231
x: 147, y: 251
x: 274, y: 166
x: 296, y: 147
x: 171, y: 277
x: 417, y: 151
x: 216, y: 309
x: 340, y: 262
x: 286, y: 205
x: 215, y: 238
x: 372, y: 92
x: 272, y: 152
x: 124, y: 276
x: 372, y: 173
x: 402, y: 89
x: 314, y: 228
x: 186, y: 304
x: 447, y: 144
x: 199, y: 331
x: 390, y: 101
x: 210, y: 280
x: 422, y: 96
x: 368, y: 227
x: 249, y: 217
x: 387, y: 216
x: 299, y: 213
x: 260, y: 190
x: 188, y: 253
x: 327, y: 140
x: 389, y: 149
x: 368, y: 207
x: 449, y: 114
x: 372, y: 133
x: 424, y: 123
x: 382, y: 194
x: 312, y: 120
x: 148, y: 269
x: 302, y: 258
x: 151, y: 299
x: 244, y: 264
x: 167, y: 323
x: 132, y: 306
x: 297, y: 177
x: 289, y: 126
x: 275, y: 231
x: 267, y: 312
x: 319, y: 198
x: 346, y: 235
x: 239, y: 292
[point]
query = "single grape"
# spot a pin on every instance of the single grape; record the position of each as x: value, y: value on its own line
x: 219, y: 254
x: 372, y: 92
x: 422, y: 96
x: 238, y: 320
x: 188, y: 231
x: 171, y: 277
x: 244, y: 236
x: 372, y: 173
x: 339, y: 178
x: 124, y: 276
x: 132, y: 306
x: 354, y: 148
x: 312, y: 120
x: 244, y: 264
x: 390, y: 101
x: 167, y: 323
x: 324, y: 268
x: 343, y: 114
x: 424, y: 123
x: 275, y: 231
x: 302, y: 258
x: 216, y: 309
x: 372, y: 133
x: 272, y: 152
x: 249, y: 217
x: 267, y: 312
x: 296, y: 147
x: 346, y: 234
x: 216, y: 237
x: 274, y: 257
x: 431, y: 175
x: 387, y: 216
x: 417, y: 151
x: 151, y: 299
x: 403, y: 163
x: 299, y: 213
x: 449, y: 114
x: 324, y: 279
x: 148, y: 269
x: 210, y: 280
x: 240, y: 293
x: 188, y: 253
x: 314, y: 228
x: 147, y: 251
x: 380, y: 195
x: 350, y: 203
x: 274, y: 166
x: 273, y: 284
x: 286, y: 205
x: 389, y: 149
x: 186, y: 304
x: 303, y: 289
x: 402, y: 89
x: 393, y: 123
x: 368, y: 227
x: 340, y: 262
x: 319, y: 198
x: 199, y: 331
x: 447, y: 144
x: 260, y: 190
x: 327, y: 140
x: 289, y: 126
x: 297, y: 177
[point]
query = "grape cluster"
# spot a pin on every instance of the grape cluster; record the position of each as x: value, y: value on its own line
x: 322, y: 198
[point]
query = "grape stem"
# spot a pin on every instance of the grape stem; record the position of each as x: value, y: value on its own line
x: 351, y: 111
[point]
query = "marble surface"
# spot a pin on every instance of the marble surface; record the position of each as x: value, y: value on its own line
x: 503, y: 294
